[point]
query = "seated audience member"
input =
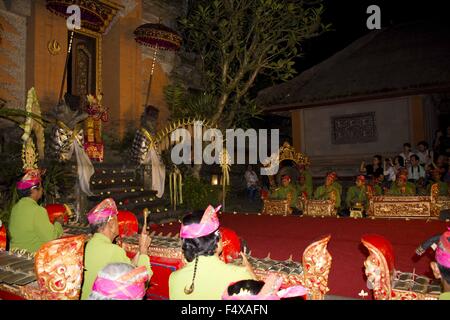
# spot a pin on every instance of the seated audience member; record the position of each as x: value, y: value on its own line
x: 375, y: 169
x: 402, y: 187
x: 204, y: 276
x: 424, y: 154
x: 406, y: 154
x: 436, y: 178
x: 438, y: 136
x: 101, y: 251
x: 120, y: 281
x: 445, y: 142
x: 392, y: 168
x: 287, y: 190
x: 441, y: 267
x: 303, y: 188
x: 251, y: 179
x: 415, y: 170
x: 29, y: 225
x: 329, y: 191
x: 447, y: 174
x: 357, y: 195
x: 262, y: 290
x: 442, y: 164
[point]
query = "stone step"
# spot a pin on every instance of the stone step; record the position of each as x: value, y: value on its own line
x: 110, y: 183
x: 153, y: 206
x: 138, y: 197
x: 109, y: 176
x: 126, y: 189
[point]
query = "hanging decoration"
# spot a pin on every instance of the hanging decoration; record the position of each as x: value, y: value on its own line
x: 32, y: 124
x: 225, y: 163
x: 158, y: 37
x: 176, y: 187
x: 98, y: 113
x: 74, y: 142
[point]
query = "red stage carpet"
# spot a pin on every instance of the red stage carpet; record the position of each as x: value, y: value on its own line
x: 283, y: 236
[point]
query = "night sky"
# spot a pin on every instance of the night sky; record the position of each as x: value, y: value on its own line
x: 349, y: 17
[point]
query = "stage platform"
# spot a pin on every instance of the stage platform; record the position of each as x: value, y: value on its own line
x: 285, y: 236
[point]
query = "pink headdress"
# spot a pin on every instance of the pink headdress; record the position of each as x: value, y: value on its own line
x: 31, y: 179
x: 443, y: 250
x: 207, y: 225
x: 102, y: 211
x: 270, y: 291
x: 123, y: 288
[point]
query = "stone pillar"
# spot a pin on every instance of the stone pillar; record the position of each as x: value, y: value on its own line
x: 13, y: 40
x: 297, y: 128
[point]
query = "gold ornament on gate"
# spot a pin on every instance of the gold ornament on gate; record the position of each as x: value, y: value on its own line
x: 54, y: 47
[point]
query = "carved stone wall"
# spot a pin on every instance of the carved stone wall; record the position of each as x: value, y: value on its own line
x: 354, y: 128
x: 390, y: 117
x: 12, y: 58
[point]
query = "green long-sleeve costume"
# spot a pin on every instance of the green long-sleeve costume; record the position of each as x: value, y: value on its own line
x: 356, y: 194
x: 30, y: 227
x: 308, y: 182
x: 377, y: 191
x: 99, y: 252
x: 395, y: 190
x: 338, y: 186
x: 324, y: 193
x: 443, y: 188
x: 308, y: 189
x: 282, y: 192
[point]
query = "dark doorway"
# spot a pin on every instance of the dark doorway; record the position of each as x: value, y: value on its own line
x: 82, y: 73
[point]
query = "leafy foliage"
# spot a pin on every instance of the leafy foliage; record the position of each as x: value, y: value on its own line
x: 183, y: 104
x: 198, y: 194
x: 17, y: 115
x: 238, y: 40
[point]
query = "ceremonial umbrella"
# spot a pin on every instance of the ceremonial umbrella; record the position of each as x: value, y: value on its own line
x: 156, y: 36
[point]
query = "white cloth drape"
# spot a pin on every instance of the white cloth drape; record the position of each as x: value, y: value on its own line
x: 158, y: 171
x: 85, y: 168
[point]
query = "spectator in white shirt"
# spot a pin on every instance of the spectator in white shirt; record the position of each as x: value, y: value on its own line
x: 406, y: 154
x: 424, y: 154
x: 252, y: 183
x: 391, y: 170
x: 415, y: 171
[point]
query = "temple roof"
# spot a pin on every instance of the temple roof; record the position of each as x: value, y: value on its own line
x: 407, y: 59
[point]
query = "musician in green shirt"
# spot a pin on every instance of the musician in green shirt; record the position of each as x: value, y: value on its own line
x: 287, y: 190
x: 443, y: 187
x: 402, y: 187
x: 101, y: 251
x: 304, y: 188
x: 357, y: 194
x: 306, y: 184
x: 29, y: 225
x: 329, y: 191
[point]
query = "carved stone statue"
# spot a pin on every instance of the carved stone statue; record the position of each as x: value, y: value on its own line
x: 68, y: 126
x: 144, y: 135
